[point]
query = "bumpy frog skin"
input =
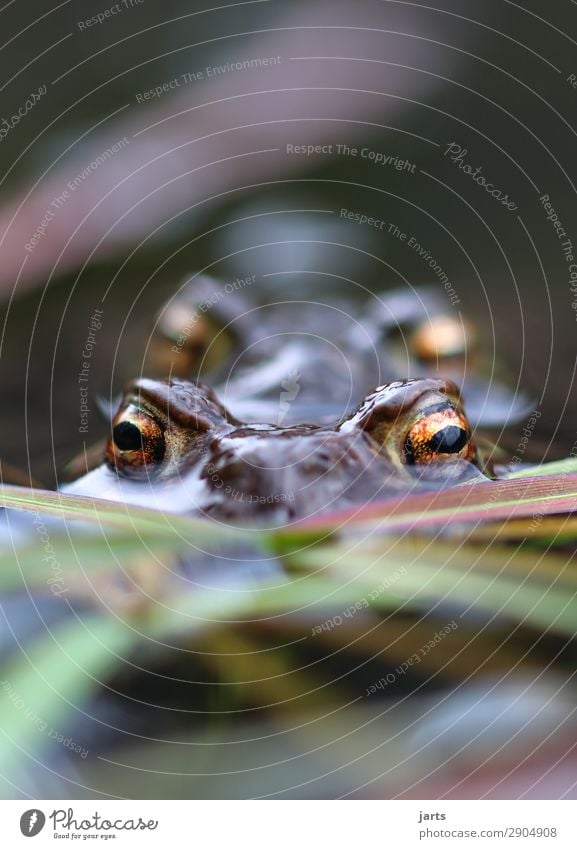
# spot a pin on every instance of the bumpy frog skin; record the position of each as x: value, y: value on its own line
x: 174, y: 446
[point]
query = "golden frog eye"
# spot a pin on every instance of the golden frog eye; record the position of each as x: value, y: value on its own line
x: 137, y: 444
x: 442, y: 337
x: 441, y: 432
x: 187, y: 340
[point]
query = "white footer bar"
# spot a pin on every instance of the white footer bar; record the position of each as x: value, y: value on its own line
x: 290, y: 824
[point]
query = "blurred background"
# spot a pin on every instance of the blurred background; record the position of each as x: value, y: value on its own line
x: 142, y: 143
x: 203, y: 180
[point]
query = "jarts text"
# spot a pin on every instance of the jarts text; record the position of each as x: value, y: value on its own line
x: 424, y: 816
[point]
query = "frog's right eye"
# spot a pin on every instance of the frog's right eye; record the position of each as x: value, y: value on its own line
x: 441, y: 432
x: 440, y: 338
x: 137, y: 443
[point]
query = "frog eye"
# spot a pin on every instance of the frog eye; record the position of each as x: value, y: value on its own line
x: 441, y: 432
x: 137, y: 442
x: 441, y: 337
x: 187, y: 340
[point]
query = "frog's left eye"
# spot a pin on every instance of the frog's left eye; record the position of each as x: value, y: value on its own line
x: 137, y: 442
x: 188, y: 340
x: 441, y: 432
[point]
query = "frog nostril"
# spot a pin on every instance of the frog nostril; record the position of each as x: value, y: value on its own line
x: 127, y: 437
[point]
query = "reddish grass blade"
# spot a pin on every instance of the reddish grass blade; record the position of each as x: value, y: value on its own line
x: 534, y: 497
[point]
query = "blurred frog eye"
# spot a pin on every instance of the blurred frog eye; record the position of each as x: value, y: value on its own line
x: 187, y: 340
x: 137, y: 443
x: 441, y: 432
x: 441, y: 337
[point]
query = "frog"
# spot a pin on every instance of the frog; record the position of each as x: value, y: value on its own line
x: 174, y: 446
x: 331, y: 352
x: 267, y: 416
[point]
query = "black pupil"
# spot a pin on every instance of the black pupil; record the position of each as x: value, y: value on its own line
x: 127, y: 437
x: 449, y: 440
